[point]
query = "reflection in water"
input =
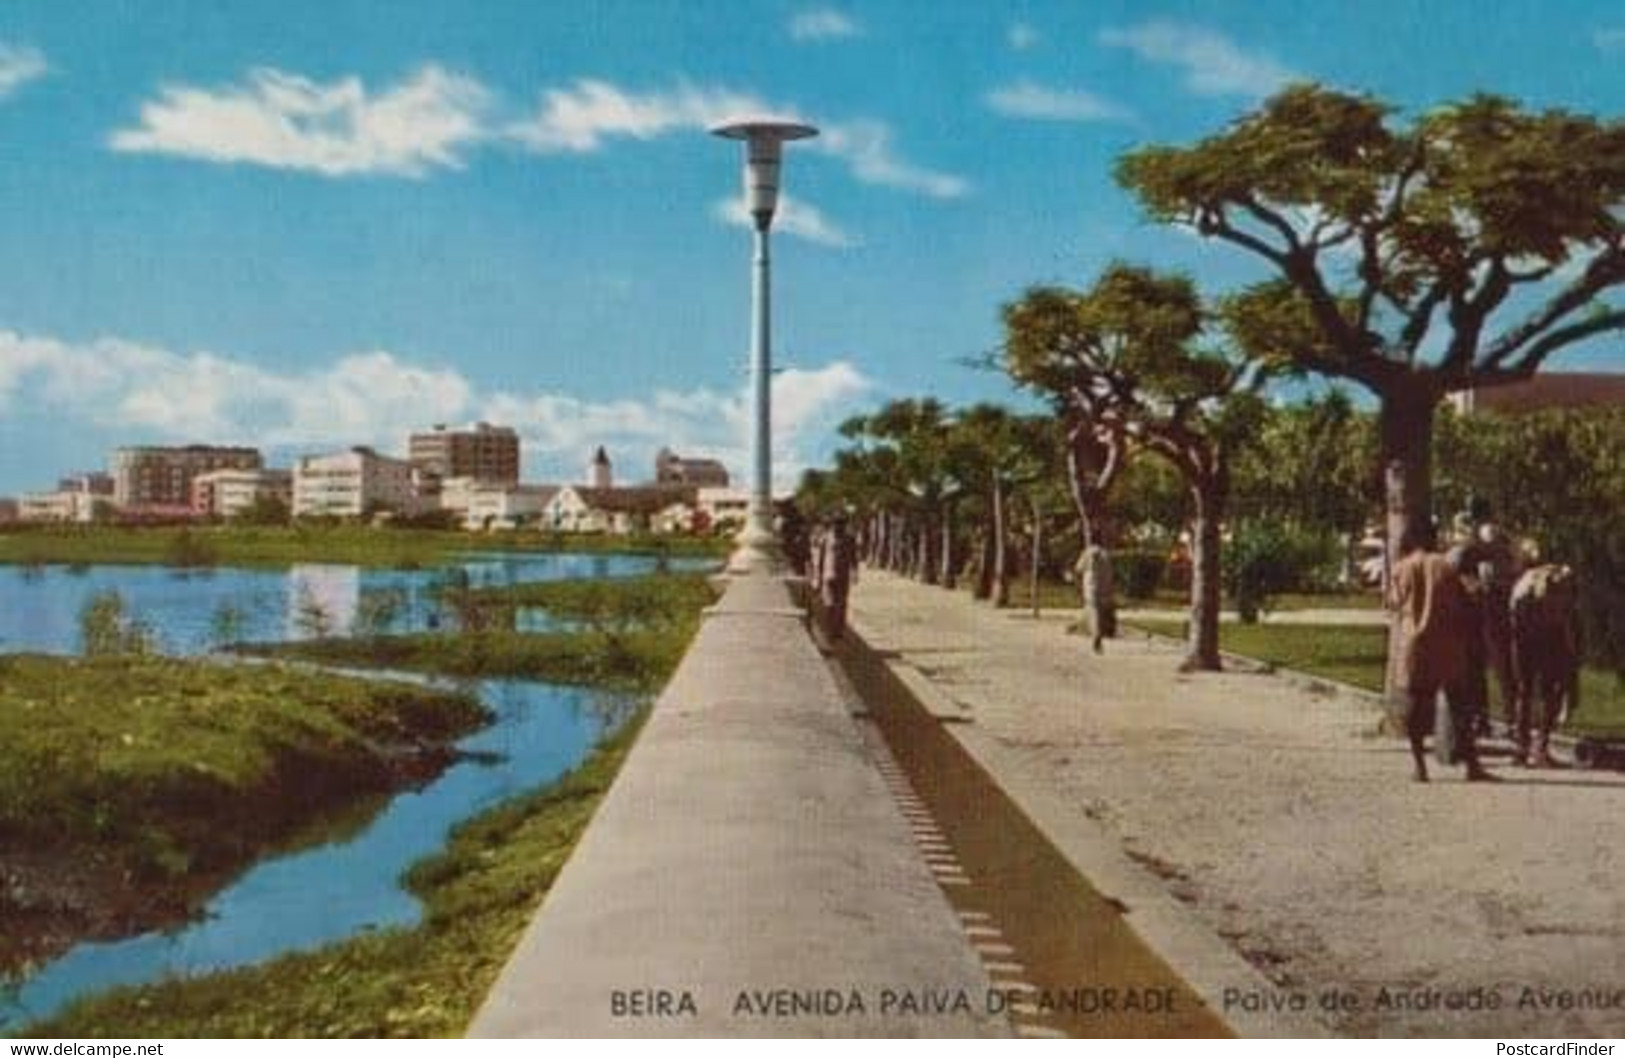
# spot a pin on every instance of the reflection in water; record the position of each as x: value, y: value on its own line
x: 321, y: 600
x: 345, y: 878
x: 40, y: 605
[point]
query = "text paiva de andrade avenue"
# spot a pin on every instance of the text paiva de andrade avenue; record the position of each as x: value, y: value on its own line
x: 1423, y: 999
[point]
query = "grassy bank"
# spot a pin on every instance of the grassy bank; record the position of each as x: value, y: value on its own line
x: 284, y: 545
x: 657, y: 597
x: 637, y: 659
x: 131, y: 781
x: 1355, y: 654
x: 632, y: 632
x: 478, y: 895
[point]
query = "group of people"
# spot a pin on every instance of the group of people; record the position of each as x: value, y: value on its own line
x: 1481, y: 608
x: 826, y: 554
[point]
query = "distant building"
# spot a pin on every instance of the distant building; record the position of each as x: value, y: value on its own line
x: 156, y: 476
x: 507, y: 507
x: 57, y: 506
x: 1552, y: 389
x: 600, y: 475
x: 457, y: 494
x: 74, y: 500
x: 673, y: 469
x: 353, y: 484
x: 721, y: 508
x: 228, y: 493
x: 647, y: 508
x: 483, y: 452
x: 8, y: 510
x: 92, y: 483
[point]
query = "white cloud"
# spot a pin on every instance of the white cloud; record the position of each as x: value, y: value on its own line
x: 1021, y: 36
x: 1025, y: 99
x: 794, y: 217
x: 1609, y: 39
x: 426, y: 121
x: 590, y: 113
x: 823, y: 24
x: 143, y: 393
x: 18, y: 66
x: 865, y: 146
x: 580, y: 118
x: 1213, y: 64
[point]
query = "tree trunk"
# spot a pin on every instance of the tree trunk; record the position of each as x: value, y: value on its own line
x: 1038, y: 555
x: 1203, y: 639
x: 983, y: 588
x: 948, y: 576
x: 1001, y: 548
x: 1092, y: 466
x: 1405, y: 451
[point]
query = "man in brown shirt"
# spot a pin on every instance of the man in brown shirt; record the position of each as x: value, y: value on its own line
x: 1437, y: 630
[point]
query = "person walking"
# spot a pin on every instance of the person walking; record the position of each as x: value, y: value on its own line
x: 1437, y: 629
x: 1545, y: 631
x: 1095, y: 583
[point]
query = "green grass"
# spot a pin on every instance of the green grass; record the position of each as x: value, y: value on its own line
x: 638, y: 659
x: 655, y: 598
x: 1356, y: 654
x: 1059, y: 595
x: 175, y: 765
x: 478, y: 893
x: 280, y: 546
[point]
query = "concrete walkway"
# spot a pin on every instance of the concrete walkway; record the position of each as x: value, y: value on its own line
x: 1268, y: 843
x: 749, y: 873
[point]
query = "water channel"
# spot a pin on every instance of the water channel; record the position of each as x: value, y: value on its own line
x: 344, y: 883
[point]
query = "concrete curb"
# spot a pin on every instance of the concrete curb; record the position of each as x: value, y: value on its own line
x: 1204, y: 960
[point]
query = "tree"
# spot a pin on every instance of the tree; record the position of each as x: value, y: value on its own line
x: 266, y: 509
x: 1557, y: 477
x: 1039, y: 355
x: 907, y: 455
x: 997, y: 453
x: 1312, y: 467
x: 1132, y: 345
x: 1462, y: 249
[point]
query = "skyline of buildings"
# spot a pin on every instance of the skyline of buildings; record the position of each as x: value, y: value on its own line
x: 149, y: 483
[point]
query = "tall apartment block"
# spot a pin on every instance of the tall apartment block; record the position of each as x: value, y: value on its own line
x: 488, y: 454
x: 158, y: 476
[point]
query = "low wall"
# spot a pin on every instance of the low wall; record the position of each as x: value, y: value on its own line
x: 748, y: 874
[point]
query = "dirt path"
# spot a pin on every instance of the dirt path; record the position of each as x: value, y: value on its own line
x: 1287, y: 826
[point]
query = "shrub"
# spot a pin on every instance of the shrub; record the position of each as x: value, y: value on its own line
x: 1139, y: 572
x: 107, y: 628
x: 1265, y: 558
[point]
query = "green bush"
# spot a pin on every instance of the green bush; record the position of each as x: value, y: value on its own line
x: 1139, y: 572
x: 1265, y: 558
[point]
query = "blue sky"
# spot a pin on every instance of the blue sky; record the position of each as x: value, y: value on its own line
x: 307, y: 224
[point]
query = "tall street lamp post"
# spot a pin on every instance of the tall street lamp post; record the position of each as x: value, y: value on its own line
x: 764, y: 148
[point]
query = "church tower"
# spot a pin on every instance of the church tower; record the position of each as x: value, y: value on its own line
x: 599, y: 474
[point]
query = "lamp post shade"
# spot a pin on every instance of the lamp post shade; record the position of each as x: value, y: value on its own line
x: 764, y: 147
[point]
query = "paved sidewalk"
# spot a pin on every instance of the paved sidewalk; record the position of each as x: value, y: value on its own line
x: 749, y: 873
x: 1275, y: 818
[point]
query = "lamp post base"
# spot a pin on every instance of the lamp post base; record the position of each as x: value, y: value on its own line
x: 758, y: 553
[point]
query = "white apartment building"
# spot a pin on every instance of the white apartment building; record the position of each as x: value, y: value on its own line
x: 228, y: 493
x: 506, y: 506
x: 721, y: 507
x: 353, y: 484
x: 64, y: 505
